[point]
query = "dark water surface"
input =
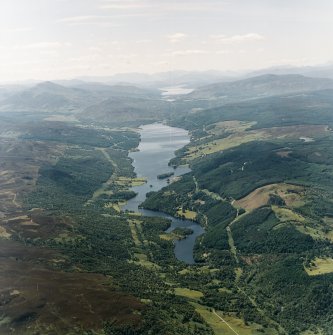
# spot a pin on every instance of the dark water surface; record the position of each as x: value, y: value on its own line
x: 157, y: 147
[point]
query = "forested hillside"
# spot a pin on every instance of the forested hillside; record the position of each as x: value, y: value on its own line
x: 260, y: 184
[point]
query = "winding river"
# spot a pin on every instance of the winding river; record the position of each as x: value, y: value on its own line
x: 157, y: 147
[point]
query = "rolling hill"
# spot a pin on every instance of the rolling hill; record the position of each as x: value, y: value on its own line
x: 51, y: 97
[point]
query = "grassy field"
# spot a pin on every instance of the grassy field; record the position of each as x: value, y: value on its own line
x: 221, y: 128
x: 115, y: 205
x: 229, y: 142
x: 231, y: 325
x: 244, y: 136
x: 213, y: 195
x: 187, y: 293
x: 187, y: 214
x: 320, y: 266
x: 177, y: 234
x: 316, y: 232
x: 133, y: 224
x: 101, y: 191
x: 291, y: 194
x: 142, y: 260
x: 130, y: 182
x: 226, y: 290
x: 287, y: 215
x: 169, y: 237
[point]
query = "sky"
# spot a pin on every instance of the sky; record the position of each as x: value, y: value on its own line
x: 62, y: 39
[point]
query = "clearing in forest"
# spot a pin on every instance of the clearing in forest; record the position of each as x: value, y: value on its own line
x: 291, y: 194
x: 229, y: 325
x: 187, y: 293
x: 320, y: 266
x: 187, y: 214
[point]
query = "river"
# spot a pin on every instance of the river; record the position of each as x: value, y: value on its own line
x: 156, y: 149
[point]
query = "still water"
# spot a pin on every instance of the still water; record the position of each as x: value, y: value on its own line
x: 157, y: 147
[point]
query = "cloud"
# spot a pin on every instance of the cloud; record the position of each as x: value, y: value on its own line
x: 101, y: 20
x: 177, y: 37
x: 36, y: 46
x: 123, y: 6
x: 162, y: 7
x: 145, y: 41
x: 223, y: 52
x: 193, y: 7
x: 238, y: 38
x: 17, y: 30
x: 188, y: 52
x: 45, y: 45
x: 78, y: 19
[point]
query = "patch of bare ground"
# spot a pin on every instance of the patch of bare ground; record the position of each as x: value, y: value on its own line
x: 283, y: 153
x: 35, y: 298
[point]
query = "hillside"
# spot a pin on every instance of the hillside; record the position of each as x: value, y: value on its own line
x: 260, y: 86
x: 51, y: 97
x: 47, y: 97
x: 261, y: 185
x: 126, y: 109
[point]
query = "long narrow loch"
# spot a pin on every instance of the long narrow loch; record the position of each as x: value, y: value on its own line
x: 157, y: 147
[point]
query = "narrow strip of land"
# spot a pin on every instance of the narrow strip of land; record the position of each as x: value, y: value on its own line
x: 232, y: 245
x: 114, y: 175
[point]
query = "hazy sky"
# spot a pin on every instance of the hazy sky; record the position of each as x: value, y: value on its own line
x: 52, y: 39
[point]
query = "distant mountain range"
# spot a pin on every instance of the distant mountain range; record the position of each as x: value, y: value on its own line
x: 261, y: 86
x: 320, y: 71
x: 194, y: 79
x: 166, y: 79
x: 101, y: 102
x: 46, y: 96
x: 51, y: 97
x: 188, y: 79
